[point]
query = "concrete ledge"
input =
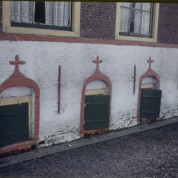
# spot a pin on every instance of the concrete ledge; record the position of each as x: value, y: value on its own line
x: 14, y: 159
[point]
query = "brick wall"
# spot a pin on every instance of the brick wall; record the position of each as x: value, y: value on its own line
x: 98, y: 20
x: 168, y: 23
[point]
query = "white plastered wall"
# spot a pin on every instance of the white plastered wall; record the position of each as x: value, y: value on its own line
x: 42, y: 63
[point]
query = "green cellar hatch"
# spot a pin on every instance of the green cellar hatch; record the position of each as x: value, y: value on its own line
x: 150, y: 103
x: 14, y: 126
x: 96, y: 112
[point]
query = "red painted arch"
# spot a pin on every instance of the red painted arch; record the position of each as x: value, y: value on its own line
x: 97, y: 75
x: 17, y: 79
x: 148, y: 73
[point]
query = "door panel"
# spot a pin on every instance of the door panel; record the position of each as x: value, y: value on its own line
x: 150, y: 103
x: 14, y: 125
x: 96, y: 112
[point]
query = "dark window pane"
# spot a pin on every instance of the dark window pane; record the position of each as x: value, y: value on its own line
x: 132, y: 17
x: 40, y: 12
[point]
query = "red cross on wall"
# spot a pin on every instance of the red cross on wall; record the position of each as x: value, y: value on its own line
x: 97, y: 61
x: 16, y: 62
x: 150, y: 61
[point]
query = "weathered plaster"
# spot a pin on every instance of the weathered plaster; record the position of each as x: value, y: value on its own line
x: 42, y: 63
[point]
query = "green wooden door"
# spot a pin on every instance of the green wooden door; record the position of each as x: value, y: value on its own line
x: 96, y: 112
x: 14, y: 125
x: 150, y: 103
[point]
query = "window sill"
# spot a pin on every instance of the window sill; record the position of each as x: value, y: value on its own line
x: 32, y: 31
x: 132, y: 38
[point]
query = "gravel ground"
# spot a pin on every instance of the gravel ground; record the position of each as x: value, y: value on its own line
x: 152, y: 153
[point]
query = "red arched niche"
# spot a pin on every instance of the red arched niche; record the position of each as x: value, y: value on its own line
x: 148, y: 73
x: 17, y: 79
x: 97, y: 75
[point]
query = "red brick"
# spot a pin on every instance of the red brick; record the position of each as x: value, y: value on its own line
x: 81, y: 40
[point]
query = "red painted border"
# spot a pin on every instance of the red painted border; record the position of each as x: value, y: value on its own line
x: 59, y: 89
x: 134, y: 78
x: 148, y: 73
x: 21, y: 37
x: 97, y: 75
x: 17, y: 79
